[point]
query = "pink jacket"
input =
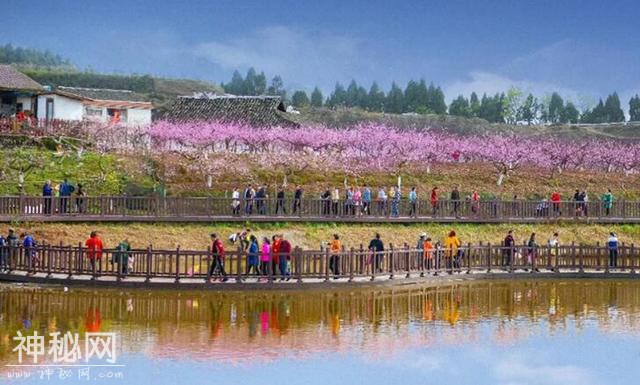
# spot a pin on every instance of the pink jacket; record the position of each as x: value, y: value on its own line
x: 266, y: 250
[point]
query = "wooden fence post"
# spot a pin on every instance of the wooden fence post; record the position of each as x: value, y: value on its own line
x: 148, y: 263
x: 299, y: 265
x: 391, y: 261
x: 177, y: 280
x: 351, y: 262
x: 239, y: 264
x: 46, y: 250
x: 489, y: 257
x: 469, y: 258
x: 407, y: 260
x: 581, y: 267
x: 632, y: 257
x: 326, y: 264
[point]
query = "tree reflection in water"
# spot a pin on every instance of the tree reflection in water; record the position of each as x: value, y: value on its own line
x: 237, y: 327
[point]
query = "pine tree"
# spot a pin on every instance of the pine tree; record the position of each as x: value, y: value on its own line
x: 613, y: 110
x: 395, y: 100
x: 375, y: 99
x: 556, y: 108
x: 474, y: 105
x: 460, y: 107
x: 300, y: 99
x: 634, y: 109
x: 316, y: 98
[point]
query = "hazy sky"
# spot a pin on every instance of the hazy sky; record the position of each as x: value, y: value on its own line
x: 580, y: 47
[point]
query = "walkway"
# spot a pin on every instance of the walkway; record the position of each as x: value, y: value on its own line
x: 356, y: 267
x: 152, y: 209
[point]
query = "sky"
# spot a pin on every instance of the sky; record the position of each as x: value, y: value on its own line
x: 584, y: 49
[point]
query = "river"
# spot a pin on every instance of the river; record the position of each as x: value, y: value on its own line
x: 501, y: 332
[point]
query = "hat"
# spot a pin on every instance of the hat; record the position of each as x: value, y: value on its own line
x: 423, y: 235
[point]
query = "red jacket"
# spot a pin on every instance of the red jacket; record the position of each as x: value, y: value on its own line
x: 218, y: 248
x: 555, y: 197
x: 285, y: 249
x: 94, y: 248
x: 434, y: 197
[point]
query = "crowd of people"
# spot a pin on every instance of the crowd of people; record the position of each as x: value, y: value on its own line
x: 383, y: 201
x: 270, y: 258
x: 354, y: 201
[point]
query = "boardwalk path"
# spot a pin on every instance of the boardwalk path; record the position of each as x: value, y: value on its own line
x: 313, y: 269
x: 153, y: 209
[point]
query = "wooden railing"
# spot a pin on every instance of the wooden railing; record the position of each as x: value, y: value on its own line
x: 184, y: 209
x: 301, y: 265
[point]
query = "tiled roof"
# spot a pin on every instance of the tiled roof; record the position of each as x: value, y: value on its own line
x: 12, y: 79
x: 259, y: 111
x: 103, y: 94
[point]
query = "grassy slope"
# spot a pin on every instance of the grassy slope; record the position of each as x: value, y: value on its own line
x: 195, y: 236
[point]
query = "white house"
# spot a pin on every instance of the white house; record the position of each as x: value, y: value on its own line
x: 94, y: 104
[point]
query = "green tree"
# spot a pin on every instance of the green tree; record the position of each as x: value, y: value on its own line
x: 528, y: 111
x: 395, y: 100
x: 460, y: 107
x: 375, y: 98
x: 512, y: 105
x: 316, y: 98
x: 352, y: 94
x: 338, y: 97
x: 570, y: 114
x: 634, y: 109
x: 276, y: 88
x: 474, y: 105
x: 556, y: 108
x: 300, y: 99
x: 613, y: 111
x: 236, y: 85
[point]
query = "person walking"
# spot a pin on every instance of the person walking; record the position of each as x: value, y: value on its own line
x: 297, y: 200
x: 475, y: 203
x: 325, y: 197
x: 216, y: 267
x: 434, y: 200
x: 509, y: 249
x: 280, y: 204
x: 4, y: 266
x: 29, y: 245
x: 335, y: 201
x: 451, y: 245
x: 249, y: 194
x: 335, y: 247
x: 284, y: 259
x: 121, y: 257
x: 607, y: 202
x: 357, y: 201
x: 275, y: 253
x: 13, y: 243
x: 265, y: 256
x: 66, y: 189
x: 532, y: 252
x: 395, y: 202
x: 47, y: 195
x: 80, y: 197
x: 584, y: 198
x: 382, y: 202
x: 348, y: 202
x: 253, y: 256
x: 376, y: 246
x: 612, y: 245
x: 555, y: 203
x: 428, y: 253
x: 413, y: 201
x: 455, y: 200
x: 366, y: 200
x: 261, y: 200
x: 94, y: 247
x: 235, y: 202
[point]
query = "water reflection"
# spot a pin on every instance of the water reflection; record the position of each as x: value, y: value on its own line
x: 243, y: 328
